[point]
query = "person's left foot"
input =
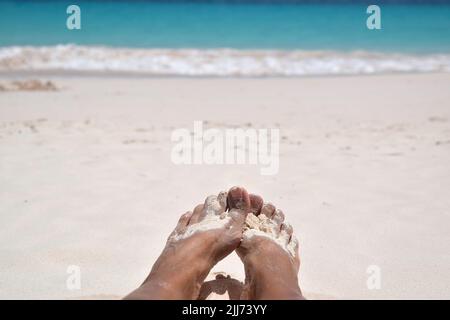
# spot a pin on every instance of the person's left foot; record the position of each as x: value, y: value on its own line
x: 201, y: 239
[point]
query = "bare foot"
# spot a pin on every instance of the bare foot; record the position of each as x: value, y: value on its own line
x: 201, y: 239
x: 269, y: 251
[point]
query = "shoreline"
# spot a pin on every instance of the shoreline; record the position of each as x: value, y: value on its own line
x: 73, y: 74
x: 216, y: 62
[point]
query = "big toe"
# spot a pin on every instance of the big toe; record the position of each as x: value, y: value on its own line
x: 238, y: 199
x: 239, y: 204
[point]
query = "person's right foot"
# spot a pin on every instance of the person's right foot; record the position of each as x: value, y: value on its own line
x: 269, y: 251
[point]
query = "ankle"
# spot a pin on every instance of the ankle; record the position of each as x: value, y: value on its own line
x: 263, y: 284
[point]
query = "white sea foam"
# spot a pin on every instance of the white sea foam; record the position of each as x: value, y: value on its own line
x: 216, y: 62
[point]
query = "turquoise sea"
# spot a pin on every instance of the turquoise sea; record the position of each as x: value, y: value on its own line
x: 236, y: 37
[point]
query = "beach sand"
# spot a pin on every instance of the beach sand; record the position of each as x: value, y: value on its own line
x: 86, y: 178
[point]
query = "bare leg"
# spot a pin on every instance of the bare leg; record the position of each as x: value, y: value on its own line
x: 201, y: 239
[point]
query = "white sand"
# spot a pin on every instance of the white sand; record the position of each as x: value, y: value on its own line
x: 86, y: 179
x: 262, y: 226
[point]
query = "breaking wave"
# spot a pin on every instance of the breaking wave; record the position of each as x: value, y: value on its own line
x: 216, y: 62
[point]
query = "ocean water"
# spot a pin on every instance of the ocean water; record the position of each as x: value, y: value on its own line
x: 253, y: 38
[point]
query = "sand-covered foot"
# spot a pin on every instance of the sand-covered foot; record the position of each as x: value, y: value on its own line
x: 201, y: 239
x: 269, y: 251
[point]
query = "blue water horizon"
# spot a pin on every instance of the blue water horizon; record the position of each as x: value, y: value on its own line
x: 422, y: 27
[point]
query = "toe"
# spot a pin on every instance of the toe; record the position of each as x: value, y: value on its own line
x: 291, y: 241
x: 287, y: 228
x: 294, y: 243
x: 213, y: 205
x: 182, y: 223
x: 222, y: 198
x: 268, y: 210
x: 196, y: 215
x: 286, y: 232
x: 239, y: 199
x: 278, y: 217
x: 293, y: 247
x: 239, y: 205
x: 256, y: 204
x: 216, y: 205
x: 184, y: 220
